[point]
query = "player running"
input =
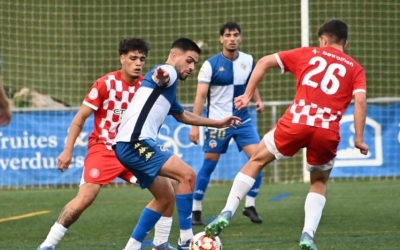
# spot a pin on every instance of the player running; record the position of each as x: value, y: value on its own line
x: 222, y: 78
x: 326, y: 80
x: 108, y: 98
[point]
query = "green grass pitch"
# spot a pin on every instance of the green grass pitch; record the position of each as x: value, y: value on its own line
x: 358, y: 215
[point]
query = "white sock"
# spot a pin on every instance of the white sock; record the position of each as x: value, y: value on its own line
x: 313, y: 212
x: 250, y: 201
x: 197, y: 205
x: 133, y: 244
x: 241, y: 185
x: 56, y: 233
x: 162, y: 230
x: 186, y: 235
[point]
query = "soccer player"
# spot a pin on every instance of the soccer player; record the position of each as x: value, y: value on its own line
x: 137, y: 150
x: 108, y: 98
x: 222, y: 78
x: 5, y: 110
x: 326, y: 80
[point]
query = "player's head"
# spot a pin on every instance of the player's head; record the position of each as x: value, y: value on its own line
x: 334, y: 31
x: 183, y: 56
x: 230, y: 36
x: 132, y: 55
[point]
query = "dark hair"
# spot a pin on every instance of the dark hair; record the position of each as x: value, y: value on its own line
x: 132, y: 44
x: 185, y: 44
x: 229, y: 26
x: 336, y: 29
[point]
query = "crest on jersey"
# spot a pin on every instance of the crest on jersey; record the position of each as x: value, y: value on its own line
x: 94, y: 173
x: 221, y: 69
x: 213, y: 143
x: 243, y: 66
x: 93, y: 94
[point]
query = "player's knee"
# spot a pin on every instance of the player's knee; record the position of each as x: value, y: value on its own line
x: 189, y: 177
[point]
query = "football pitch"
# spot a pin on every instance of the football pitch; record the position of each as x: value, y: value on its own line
x: 358, y: 215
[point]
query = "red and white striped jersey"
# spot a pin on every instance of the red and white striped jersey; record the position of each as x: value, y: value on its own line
x: 109, y: 97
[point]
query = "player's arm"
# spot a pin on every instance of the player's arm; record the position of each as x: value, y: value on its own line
x: 5, y: 111
x: 197, y: 120
x: 360, y: 114
x: 256, y: 77
x: 64, y: 159
x: 201, y: 95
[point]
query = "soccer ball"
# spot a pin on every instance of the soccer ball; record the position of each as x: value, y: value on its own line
x: 202, y: 242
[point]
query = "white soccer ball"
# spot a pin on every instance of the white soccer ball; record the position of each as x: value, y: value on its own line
x: 202, y: 242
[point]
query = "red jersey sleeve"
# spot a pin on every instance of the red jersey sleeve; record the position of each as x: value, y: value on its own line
x: 288, y: 59
x: 359, y: 81
x: 96, y: 95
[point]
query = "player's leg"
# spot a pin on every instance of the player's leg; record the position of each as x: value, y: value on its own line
x: 267, y: 150
x: 70, y: 213
x: 177, y: 169
x: 101, y: 167
x: 202, y: 181
x: 313, y: 207
x: 320, y: 159
x: 163, y: 226
x: 242, y: 184
x: 247, y: 139
x: 163, y: 193
x: 149, y: 162
x: 216, y: 143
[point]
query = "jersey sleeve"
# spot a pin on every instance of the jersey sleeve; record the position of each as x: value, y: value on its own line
x: 176, y: 108
x: 288, y: 59
x: 359, y: 81
x: 205, y: 73
x: 96, y: 95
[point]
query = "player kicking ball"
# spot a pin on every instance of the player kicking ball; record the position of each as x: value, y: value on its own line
x: 326, y: 79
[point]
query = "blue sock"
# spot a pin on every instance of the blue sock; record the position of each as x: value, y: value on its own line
x: 184, y: 203
x: 146, y: 223
x: 203, y: 179
x: 256, y: 187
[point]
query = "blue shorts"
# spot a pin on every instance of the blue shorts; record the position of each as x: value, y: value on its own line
x: 217, y: 140
x: 143, y: 158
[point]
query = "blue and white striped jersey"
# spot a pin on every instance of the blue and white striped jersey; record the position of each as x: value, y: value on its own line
x: 227, y: 79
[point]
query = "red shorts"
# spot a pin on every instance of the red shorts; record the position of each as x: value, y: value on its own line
x: 103, y: 167
x: 288, y: 139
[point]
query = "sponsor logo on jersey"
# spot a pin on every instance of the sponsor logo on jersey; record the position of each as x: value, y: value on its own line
x: 118, y: 111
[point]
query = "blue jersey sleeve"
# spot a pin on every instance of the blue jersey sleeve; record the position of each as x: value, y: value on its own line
x: 176, y: 108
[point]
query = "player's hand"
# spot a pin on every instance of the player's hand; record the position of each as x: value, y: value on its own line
x: 230, y: 121
x: 259, y: 106
x: 161, y: 76
x: 363, y: 147
x: 64, y: 159
x: 5, y: 116
x: 241, y: 102
x: 194, y: 134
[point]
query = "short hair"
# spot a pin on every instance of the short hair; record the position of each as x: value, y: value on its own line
x: 185, y: 44
x: 336, y: 29
x: 132, y: 44
x: 230, y: 26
